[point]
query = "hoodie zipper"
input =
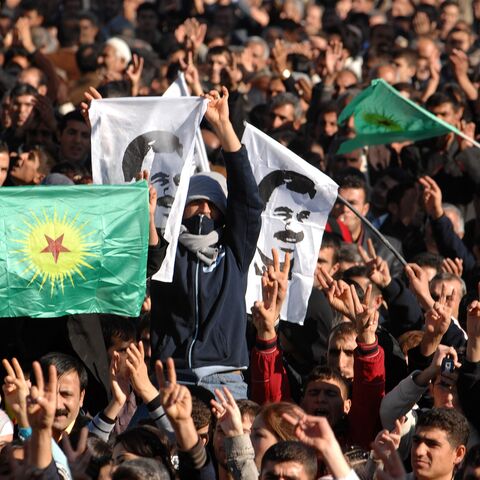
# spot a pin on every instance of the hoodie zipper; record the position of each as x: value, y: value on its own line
x: 195, y: 334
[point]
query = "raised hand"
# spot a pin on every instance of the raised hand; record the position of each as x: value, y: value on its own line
x: 317, y: 433
x: 119, y: 393
x: 384, y: 437
x: 78, y: 458
x: 175, y: 398
x: 338, y: 293
x: 134, y: 73
x: 15, y: 391
x: 280, y: 274
x: 378, y: 270
x: 432, y: 197
x: 366, y: 317
x: 138, y: 372
x: 217, y: 111
x: 418, y: 281
x: 437, y: 321
x: 473, y: 330
x: 218, y: 115
x: 42, y: 401
x: 438, y: 318
x: 453, y: 266
x: 334, y: 58
x: 227, y: 413
x: 91, y: 94
x: 191, y: 75
x: 264, y: 313
x: 393, y: 468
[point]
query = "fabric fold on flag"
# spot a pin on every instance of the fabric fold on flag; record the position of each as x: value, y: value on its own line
x: 298, y: 198
x: 73, y: 249
x: 383, y: 115
x: 179, y: 88
x: 154, y: 134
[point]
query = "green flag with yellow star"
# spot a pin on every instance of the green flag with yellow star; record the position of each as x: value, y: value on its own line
x: 73, y: 249
x: 383, y: 115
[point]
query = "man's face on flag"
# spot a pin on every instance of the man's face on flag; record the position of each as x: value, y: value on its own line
x: 165, y: 177
x: 287, y: 217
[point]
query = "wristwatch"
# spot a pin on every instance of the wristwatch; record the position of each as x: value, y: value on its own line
x: 286, y: 74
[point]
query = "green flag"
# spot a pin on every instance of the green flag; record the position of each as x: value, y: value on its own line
x: 382, y: 115
x: 73, y: 249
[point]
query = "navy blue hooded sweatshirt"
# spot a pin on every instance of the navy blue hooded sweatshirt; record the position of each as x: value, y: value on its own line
x: 200, y: 318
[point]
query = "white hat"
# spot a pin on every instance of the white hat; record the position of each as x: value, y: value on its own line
x: 121, y: 47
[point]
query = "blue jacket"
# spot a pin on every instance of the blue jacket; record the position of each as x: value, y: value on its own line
x: 200, y: 318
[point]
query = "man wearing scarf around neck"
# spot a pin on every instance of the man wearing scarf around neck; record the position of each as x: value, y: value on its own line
x: 200, y: 318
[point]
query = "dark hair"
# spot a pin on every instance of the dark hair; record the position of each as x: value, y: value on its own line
x: 452, y: 422
x: 101, y: 455
x: 220, y: 50
x: 88, y: 15
x: 352, y: 178
x: 330, y: 240
x: 147, y: 442
x: 429, y: 10
x: 294, y: 181
x: 86, y: 57
x: 115, y: 89
x: 4, y: 148
x: 117, y: 326
x: 408, y: 54
x: 141, y: 469
x: 64, y: 364
x: 248, y: 407
x: 21, y: 89
x: 472, y: 458
x: 161, y: 141
x: 440, y: 98
x: 396, y: 193
x: 201, y: 414
x: 293, y: 451
x: 321, y: 372
x: 73, y: 116
x: 147, y: 7
x: 428, y: 259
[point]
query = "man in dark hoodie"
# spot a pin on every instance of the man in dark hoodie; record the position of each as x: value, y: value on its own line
x: 200, y: 318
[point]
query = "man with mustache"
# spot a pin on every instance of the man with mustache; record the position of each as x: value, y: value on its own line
x: 165, y: 167
x: 283, y: 193
x: 71, y: 386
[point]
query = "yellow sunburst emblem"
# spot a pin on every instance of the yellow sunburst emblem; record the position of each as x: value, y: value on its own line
x: 54, y: 249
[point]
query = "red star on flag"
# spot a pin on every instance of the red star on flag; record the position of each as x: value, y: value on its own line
x: 55, y: 247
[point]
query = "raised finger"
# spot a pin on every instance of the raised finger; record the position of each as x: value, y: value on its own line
x: 18, y: 369
x: 159, y: 370
x: 38, y: 375
x: 171, y: 372
x: 8, y: 368
x: 363, y: 254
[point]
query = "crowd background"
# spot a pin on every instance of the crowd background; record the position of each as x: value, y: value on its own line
x: 383, y: 377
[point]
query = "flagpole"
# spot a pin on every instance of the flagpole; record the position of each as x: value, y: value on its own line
x: 381, y: 237
x: 468, y: 139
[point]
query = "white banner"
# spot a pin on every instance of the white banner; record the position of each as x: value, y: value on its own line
x: 298, y: 199
x: 179, y: 89
x: 149, y: 133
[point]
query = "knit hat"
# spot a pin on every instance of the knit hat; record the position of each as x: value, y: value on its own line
x: 210, y: 186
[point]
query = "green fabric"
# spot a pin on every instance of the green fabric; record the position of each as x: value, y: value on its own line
x: 382, y: 115
x: 73, y: 249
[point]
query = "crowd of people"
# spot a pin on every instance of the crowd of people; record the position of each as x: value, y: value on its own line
x: 382, y: 379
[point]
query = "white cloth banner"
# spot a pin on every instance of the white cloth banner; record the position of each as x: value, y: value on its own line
x: 149, y: 133
x: 179, y: 89
x: 298, y: 199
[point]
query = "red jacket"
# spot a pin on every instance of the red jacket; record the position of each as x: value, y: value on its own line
x: 269, y: 383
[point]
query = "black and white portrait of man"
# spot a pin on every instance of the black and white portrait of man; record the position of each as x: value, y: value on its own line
x: 160, y: 152
x: 286, y: 195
